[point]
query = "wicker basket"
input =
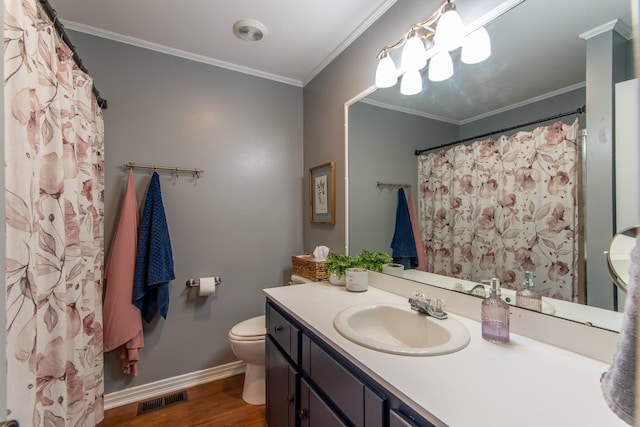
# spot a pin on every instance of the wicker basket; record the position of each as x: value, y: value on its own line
x: 306, y: 266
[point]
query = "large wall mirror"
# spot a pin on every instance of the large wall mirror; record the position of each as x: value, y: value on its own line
x: 548, y: 57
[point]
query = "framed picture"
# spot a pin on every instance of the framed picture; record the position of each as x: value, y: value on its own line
x: 322, y: 194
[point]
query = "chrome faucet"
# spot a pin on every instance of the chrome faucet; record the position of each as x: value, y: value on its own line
x: 433, y: 308
x: 478, y: 290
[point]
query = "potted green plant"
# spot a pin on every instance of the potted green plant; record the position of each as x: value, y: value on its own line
x: 337, y: 264
x: 373, y: 260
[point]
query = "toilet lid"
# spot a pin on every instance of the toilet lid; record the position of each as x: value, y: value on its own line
x: 250, y: 328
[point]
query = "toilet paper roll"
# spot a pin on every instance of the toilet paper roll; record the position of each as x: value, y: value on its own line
x: 207, y: 286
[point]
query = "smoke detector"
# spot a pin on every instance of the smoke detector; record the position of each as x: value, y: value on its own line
x: 249, y: 30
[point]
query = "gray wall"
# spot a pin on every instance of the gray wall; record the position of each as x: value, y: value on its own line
x: 381, y: 148
x: 324, y: 97
x: 241, y: 221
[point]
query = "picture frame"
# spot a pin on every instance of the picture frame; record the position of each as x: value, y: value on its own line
x: 322, y: 197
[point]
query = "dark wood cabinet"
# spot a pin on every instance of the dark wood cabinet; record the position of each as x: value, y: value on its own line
x: 310, y: 385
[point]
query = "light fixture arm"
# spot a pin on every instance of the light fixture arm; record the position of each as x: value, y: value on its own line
x: 422, y: 26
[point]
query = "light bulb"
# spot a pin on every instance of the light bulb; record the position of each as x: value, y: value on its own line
x: 440, y: 67
x: 386, y: 74
x: 476, y: 47
x: 411, y: 83
x: 450, y: 30
x: 414, y: 57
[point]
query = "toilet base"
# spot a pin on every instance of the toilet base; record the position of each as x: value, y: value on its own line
x: 253, y: 391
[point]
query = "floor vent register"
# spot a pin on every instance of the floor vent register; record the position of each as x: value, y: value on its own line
x: 162, y: 402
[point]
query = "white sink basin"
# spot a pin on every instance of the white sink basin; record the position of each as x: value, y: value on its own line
x: 395, y: 328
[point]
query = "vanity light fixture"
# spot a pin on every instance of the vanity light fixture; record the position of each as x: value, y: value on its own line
x: 432, y: 40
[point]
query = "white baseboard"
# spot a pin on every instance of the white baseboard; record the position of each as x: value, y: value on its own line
x: 169, y: 385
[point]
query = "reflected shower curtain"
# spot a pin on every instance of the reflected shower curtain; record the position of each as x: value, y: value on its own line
x: 54, y: 227
x: 500, y: 208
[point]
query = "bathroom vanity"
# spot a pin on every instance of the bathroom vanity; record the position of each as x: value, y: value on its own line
x: 317, y: 377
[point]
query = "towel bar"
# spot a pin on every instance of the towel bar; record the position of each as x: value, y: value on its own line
x: 194, y: 283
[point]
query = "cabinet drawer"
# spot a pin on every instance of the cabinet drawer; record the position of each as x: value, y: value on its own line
x: 283, y: 332
x: 345, y: 391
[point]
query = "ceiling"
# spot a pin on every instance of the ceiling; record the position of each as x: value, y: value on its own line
x: 537, y: 48
x: 302, y: 37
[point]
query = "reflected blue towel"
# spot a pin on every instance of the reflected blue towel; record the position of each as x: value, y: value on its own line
x: 154, y: 260
x: 403, y: 243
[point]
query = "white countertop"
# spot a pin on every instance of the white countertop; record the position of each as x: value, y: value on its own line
x: 523, y: 383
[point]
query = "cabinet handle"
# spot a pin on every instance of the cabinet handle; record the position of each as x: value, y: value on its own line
x: 290, y: 399
x: 279, y: 328
x: 302, y: 414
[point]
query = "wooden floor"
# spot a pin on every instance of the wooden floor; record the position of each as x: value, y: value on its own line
x: 216, y: 404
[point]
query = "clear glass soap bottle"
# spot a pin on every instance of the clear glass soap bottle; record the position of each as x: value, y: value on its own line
x: 495, y: 316
x: 527, y: 297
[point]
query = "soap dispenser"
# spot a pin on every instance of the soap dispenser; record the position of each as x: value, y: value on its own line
x: 527, y: 297
x: 495, y: 316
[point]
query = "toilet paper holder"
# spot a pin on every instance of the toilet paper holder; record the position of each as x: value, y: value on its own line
x: 195, y: 283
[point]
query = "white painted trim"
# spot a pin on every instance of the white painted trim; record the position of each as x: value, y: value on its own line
x: 526, y: 102
x: 110, y: 35
x: 376, y: 103
x: 620, y: 27
x: 169, y: 385
x: 350, y: 39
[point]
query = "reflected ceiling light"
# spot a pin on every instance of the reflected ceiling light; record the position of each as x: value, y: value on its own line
x: 450, y: 30
x: 411, y: 83
x: 440, y: 67
x: 386, y: 73
x: 432, y: 38
x: 414, y: 56
x: 476, y: 47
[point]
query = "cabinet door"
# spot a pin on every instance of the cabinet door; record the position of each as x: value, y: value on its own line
x: 314, y: 412
x: 398, y: 419
x: 281, y: 388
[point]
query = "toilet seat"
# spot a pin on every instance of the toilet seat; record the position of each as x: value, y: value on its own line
x: 249, y: 330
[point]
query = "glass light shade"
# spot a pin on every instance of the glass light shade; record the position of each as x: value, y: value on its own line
x: 449, y: 31
x: 414, y: 56
x: 476, y: 47
x: 386, y: 74
x: 440, y: 67
x: 411, y: 83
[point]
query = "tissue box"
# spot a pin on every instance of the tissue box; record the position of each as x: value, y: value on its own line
x: 306, y: 266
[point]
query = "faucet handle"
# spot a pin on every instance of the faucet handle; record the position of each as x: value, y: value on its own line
x: 419, y: 296
x: 440, y: 304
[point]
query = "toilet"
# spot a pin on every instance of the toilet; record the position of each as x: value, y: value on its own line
x: 247, y: 340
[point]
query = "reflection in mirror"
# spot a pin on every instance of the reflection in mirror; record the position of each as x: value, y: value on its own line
x: 619, y: 255
x: 530, y: 75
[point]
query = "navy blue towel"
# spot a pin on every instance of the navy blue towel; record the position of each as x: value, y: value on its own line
x: 403, y: 243
x: 154, y: 260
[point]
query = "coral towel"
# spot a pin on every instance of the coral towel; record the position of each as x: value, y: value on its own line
x: 122, y: 322
x: 154, y: 262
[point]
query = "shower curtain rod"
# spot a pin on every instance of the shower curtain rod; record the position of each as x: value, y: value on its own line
x: 53, y: 16
x: 580, y: 110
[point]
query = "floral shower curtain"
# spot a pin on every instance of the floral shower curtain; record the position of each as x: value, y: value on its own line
x: 54, y: 227
x: 500, y: 208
